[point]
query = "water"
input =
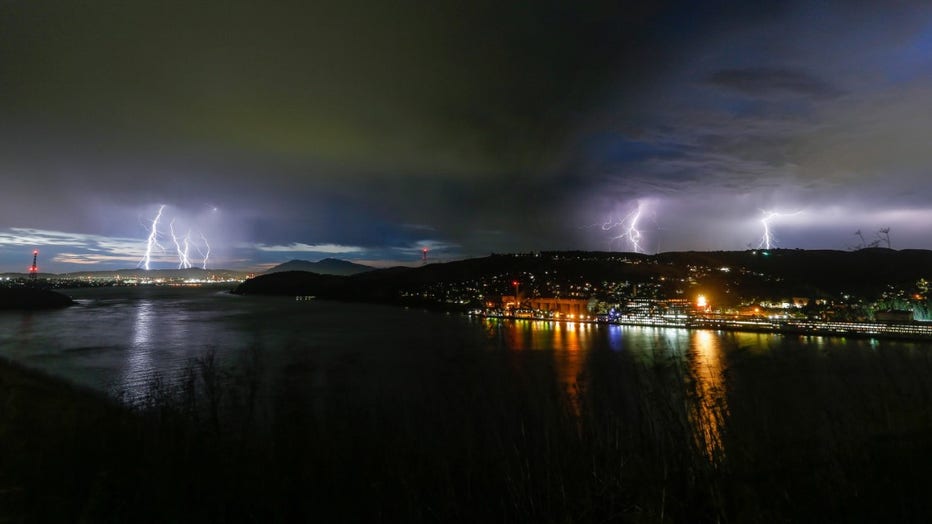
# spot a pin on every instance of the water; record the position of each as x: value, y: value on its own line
x: 120, y: 337
x: 801, y: 423
x: 117, y: 339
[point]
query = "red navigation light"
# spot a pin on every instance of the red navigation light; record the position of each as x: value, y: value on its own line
x: 514, y: 283
x: 35, y: 252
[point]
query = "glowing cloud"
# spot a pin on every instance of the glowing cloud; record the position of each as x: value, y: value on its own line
x: 299, y: 247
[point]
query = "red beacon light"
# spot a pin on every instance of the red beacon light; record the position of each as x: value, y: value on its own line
x: 34, y: 268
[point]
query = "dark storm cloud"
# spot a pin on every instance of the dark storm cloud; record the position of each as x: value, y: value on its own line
x: 761, y: 81
x: 454, y: 87
x: 289, y: 115
x: 816, y: 110
x: 491, y: 126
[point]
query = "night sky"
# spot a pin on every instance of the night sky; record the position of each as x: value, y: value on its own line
x: 369, y: 130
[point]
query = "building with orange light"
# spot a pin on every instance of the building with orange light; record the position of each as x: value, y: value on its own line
x: 566, y: 307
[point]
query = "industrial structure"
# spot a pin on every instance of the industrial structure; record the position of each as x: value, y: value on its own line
x: 34, y: 269
x: 545, y: 306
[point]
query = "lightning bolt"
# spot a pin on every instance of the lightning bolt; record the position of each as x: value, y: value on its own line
x: 629, y: 225
x: 207, y: 254
x: 187, y: 249
x: 183, y: 262
x: 768, y: 240
x: 182, y: 244
x: 153, y: 240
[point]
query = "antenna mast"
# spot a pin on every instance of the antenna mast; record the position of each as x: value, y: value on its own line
x: 34, y: 269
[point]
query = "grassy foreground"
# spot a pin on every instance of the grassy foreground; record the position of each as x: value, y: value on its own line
x: 478, y: 437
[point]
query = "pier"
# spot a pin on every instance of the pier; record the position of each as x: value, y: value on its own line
x: 908, y: 331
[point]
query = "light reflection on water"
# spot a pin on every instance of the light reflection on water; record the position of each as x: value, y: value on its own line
x: 707, y: 368
x: 119, y: 338
x: 568, y: 340
x: 700, y: 351
x: 139, y: 359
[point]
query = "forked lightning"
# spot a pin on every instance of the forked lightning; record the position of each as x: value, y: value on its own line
x: 629, y: 226
x: 182, y: 245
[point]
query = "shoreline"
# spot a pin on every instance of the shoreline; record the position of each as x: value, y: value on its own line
x: 32, y: 299
x: 915, y: 332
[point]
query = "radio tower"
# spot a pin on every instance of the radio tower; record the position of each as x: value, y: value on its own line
x: 34, y: 269
x: 424, y: 255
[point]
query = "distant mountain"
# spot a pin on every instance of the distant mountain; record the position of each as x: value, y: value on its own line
x: 327, y: 266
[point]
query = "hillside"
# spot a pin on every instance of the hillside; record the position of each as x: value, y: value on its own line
x: 775, y: 273
x: 31, y: 298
